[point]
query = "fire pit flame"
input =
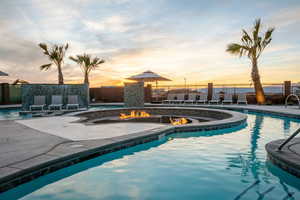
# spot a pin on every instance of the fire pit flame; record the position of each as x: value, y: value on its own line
x: 134, y: 114
x: 180, y: 121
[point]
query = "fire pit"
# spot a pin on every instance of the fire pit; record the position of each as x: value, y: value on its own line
x: 143, y: 116
x: 168, y: 116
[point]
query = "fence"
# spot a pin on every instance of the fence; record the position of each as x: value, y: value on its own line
x: 115, y: 94
x: 275, y: 92
x: 10, y: 94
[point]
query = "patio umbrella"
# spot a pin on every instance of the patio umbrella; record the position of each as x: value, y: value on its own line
x: 148, y: 76
x: 3, y: 73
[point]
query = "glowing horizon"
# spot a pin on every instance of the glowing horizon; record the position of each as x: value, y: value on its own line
x: 173, y: 38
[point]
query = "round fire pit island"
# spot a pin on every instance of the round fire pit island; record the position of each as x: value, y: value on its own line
x: 288, y: 158
x: 174, y: 119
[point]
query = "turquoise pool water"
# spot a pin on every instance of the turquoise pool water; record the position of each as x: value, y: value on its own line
x: 212, y: 165
x: 13, y: 113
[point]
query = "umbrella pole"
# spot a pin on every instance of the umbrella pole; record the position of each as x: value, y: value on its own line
x: 156, y: 91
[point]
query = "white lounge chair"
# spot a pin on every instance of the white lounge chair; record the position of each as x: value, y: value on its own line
x: 227, y: 98
x: 38, y: 102
x: 214, y: 99
x: 192, y: 98
x: 202, y: 98
x: 72, y: 102
x: 56, y: 102
x: 179, y: 98
x: 170, y: 98
x: 242, y: 98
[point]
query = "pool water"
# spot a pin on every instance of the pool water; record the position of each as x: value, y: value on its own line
x: 13, y: 113
x: 213, y: 165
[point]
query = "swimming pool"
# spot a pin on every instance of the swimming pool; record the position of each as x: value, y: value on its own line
x: 220, y: 164
x: 13, y: 113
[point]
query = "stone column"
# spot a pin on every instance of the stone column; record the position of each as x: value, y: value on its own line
x: 287, y: 88
x: 134, y: 94
x: 148, y: 93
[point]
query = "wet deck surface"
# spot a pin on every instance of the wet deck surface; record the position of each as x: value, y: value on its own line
x: 288, y: 158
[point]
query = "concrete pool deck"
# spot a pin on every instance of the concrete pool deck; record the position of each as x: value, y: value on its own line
x: 65, y: 128
x: 33, y: 147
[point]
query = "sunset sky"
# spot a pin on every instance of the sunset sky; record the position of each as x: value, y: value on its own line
x: 175, y: 38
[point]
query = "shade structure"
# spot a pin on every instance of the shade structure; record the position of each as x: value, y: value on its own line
x: 3, y: 73
x: 148, y: 76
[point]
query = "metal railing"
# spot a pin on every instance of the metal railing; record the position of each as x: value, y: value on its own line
x: 270, y: 88
x: 292, y: 95
x: 289, y: 139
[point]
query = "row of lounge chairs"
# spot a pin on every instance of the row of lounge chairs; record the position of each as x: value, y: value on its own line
x: 39, y: 102
x: 194, y: 98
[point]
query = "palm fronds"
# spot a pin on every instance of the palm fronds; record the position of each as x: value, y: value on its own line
x: 87, y: 63
x: 252, y: 44
x: 56, y: 56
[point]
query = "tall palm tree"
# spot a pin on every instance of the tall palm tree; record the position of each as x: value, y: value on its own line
x: 56, y: 56
x: 87, y: 64
x: 253, y: 45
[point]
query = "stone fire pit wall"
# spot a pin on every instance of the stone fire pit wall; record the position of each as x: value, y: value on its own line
x: 214, y: 114
x: 134, y: 94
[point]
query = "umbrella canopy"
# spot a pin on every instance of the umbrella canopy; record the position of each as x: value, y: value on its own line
x: 3, y: 73
x: 148, y: 76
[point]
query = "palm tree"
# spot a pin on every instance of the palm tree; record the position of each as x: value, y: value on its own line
x: 56, y: 56
x: 87, y: 64
x: 253, y: 48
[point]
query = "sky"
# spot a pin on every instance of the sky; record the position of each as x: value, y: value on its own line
x: 175, y: 38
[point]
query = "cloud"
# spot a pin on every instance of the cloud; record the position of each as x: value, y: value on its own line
x: 110, y: 24
x: 285, y: 17
x: 169, y: 37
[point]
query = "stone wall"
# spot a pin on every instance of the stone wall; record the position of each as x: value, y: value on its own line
x: 30, y: 90
x: 134, y: 94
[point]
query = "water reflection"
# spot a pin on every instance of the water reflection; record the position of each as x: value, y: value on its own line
x: 286, y: 126
x: 251, y: 164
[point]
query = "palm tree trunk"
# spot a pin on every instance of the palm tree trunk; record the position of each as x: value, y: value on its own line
x: 86, y: 78
x: 86, y: 81
x: 60, y: 75
x: 259, y: 91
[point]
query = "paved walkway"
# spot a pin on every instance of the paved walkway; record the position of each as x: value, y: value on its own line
x: 290, y: 111
x: 64, y: 127
x: 19, y: 143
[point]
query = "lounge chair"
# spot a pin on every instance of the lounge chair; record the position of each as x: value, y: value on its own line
x: 215, y: 99
x: 202, y: 98
x: 192, y: 98
x: 242, y: 98
x: 38, y: 102
x: 72, y: 102
x: 170, y: 98
x: 56, y: 102
x: 227, y: 98
x: 179, y: 98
